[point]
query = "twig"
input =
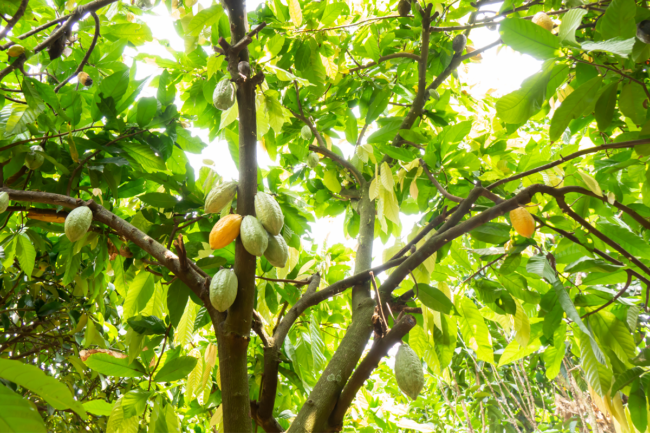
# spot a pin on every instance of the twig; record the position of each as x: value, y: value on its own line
x: 47, y: 137
x: 611, y: 301
x: 279, y: 280
x: 358, y: 23
x: 379, y: 304
x: 14, y: 19
x: 159, y: 357
x: 86, y: 57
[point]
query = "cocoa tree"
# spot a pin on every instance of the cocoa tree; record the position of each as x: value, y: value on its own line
x: 521, y: 288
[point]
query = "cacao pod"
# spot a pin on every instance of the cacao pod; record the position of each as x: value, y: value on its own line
x: 433, y: 93
x: 223, y: 290
x: 543, y: 20
x: 15, y: 50
x: 277, y: 253
x: 404, y: 8
x: 305, y: 132
x: 312, y: 160
x: 269, y: 213
x: 77, y: 223
x: 224, y: 95
x: 643, y: 31
x: 34, y: 159
x: 458, y: 44
x: 408, y: 371
x: 144, y: 4
x: 523, y: 222
x: 85, y: 79
x: 225, y: 231
x: 220, y: 196
x: 4, y: 201
x: 253, y: 236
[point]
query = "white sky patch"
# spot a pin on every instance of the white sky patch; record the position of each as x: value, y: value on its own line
x: 499, y: 72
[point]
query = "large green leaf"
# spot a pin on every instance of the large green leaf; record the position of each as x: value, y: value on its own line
x: 573, y: 107
x: 528, y: 38
x: 570, y: 23
x: 492, y: 233
x: 111, y: 366
x: 176, y: 369
x: 55, y: 393
x: 17, y: 415
x: 475, y: 331
x: 435, y: 299
x: 618, y: 20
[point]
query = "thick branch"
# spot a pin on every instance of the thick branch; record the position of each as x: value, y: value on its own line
x: 14, y: 19
x: 34, y: 31
x: 86, y: 57
x: 380, y: 348
x: 346, y: 164
x: 439, y: 187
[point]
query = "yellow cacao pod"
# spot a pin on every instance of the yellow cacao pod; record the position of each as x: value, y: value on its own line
x: 77, y: 223
x: 253, y: 236
x: 220, y: 196
x: 223, y: 290
x: 543, y: 20
x: 15, y: 50
x: 85, y: 79
x: 408, y: 371
x: 4, y: 201
x: 269, y: 213
x: 277, y: 252
x: 225, y: 231
x: 523, y: 222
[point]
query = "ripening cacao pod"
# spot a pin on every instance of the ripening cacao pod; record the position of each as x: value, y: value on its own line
x: 312, y: 160
x: 223, y: 290
x: 408, y: 371
x: 15, y: 50
x: 225, y: 231
x: 458, y: 44
x: 220, y: 196
x: 77, y: 223
x: 224, y: 95
x: 34, y: 159
x: 85, y: 79
x: 523, y: 222
x: 4, y: 201
x: 253, y: 236
x: 277, y: 252
x: 543, y: 20
x: 305, y: 133
x: 269, y: 213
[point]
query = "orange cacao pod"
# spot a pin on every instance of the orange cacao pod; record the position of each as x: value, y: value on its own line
x: 523, y: 222
x: 225, y: 231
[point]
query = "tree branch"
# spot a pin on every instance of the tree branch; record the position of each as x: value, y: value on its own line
x: 86, y: 57
x: 346, y: 164
x: 380, y: 348
x: 47, y: 137
x: 358, y: 23
x: 439, y: 187
x: 14, y: 19
x: 611, y: 301
x: 385, y: 58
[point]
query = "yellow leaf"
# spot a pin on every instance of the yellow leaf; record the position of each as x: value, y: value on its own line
x: 374, y: 189
x: 522, y: 326
x: 331, y: 67
x: 295, y: 13
x: 592, y: 183
x: 387, y: 177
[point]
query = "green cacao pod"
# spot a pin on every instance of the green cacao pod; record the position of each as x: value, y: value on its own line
x: 15, y: 50
x: 78, y: 222
x: 433, y: 93
x: 34, y: 159
x: 220, y: 196
x: 277, y: 253
x: 224, y: 95
x: 4, y: 201
x: 144, y: 4
x: 305, y: 132
x: 408, y: 371
x: 223, y: 290
x: 313, y: 159
x: 269, y: 213
x: 253, y: 236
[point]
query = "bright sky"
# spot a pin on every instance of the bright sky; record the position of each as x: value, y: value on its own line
x: 500, y: 71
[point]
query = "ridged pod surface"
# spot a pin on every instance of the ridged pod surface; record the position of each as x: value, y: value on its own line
x: 305, y: 132
x: 408, y: 371
x: 312, y: 160
x: 223, y: 290
x: 220, y: 196
x: 77, y: 223
x: 225, y: 231
x: 253, y: 236
x: 224, y: 95
x: 33, y: 160
x: 269, y: 213
x: 523, y: 222
x: 277, y: 252
x: 4, y: 201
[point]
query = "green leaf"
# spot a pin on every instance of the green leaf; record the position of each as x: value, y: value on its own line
x: 139, y: 293
x: 17, y: 415
x: 435, y: 299
x: 631, y: 102
x: 573, y: 107
x: 591, y: 366
x: 176, y: 369
x: 625, y: 378
x: 518, y: 106
x: 492, y: 233
x: 147, y: 108
x: 55, y: 393
x: 143, y: 155
x: 331, y: 181
x: 618, y: 19
x: 98, y: 407
x: 134, y: 402
x: 111, y: 366
x: 475, y: 331
x: 510, y: 264
x: 177, y: 296
x: 26, y: 254
x: 638, y: 406
x: 528, y: 38
x: 204, y: 18
x: 606, y: 105
x: 570, y: 23
x: 619, y: 46
x: 147, y: 325
x: 377, y: 105
x: 585, y: 264
x: 159, y: 200
x: 631, y: 242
